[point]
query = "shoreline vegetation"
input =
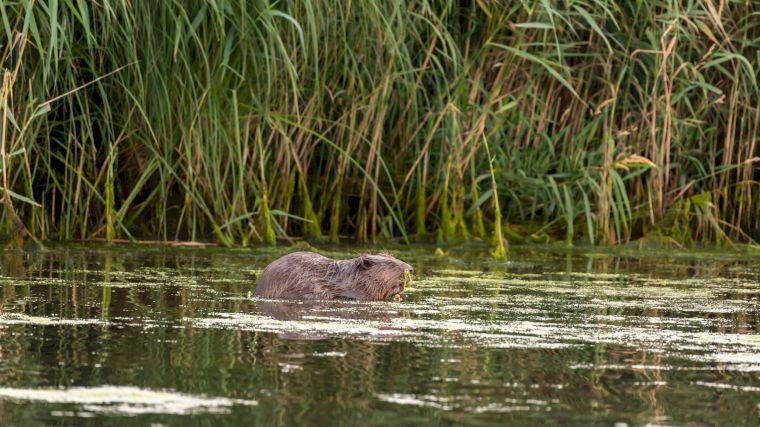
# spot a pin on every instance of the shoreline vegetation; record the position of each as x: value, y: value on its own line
x: 241, y: 123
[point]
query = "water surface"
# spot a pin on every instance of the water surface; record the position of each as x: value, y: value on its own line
x: 158, y: 336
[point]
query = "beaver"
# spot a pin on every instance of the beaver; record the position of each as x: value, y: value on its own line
x: 310, y: 276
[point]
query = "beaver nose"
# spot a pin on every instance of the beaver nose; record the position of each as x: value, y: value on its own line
x: 407, y: 277
x: 408, y: 268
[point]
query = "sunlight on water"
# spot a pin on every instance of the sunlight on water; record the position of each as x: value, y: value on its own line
x: 22, y: 319
x: 682, y: 336
x: 544, y: 338
x: 115, y: 400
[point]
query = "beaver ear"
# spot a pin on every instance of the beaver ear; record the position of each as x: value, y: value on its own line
x: 364, y: 262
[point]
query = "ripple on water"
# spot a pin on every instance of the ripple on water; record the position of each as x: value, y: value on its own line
x: 23, y: 319
x: 726, y: 348
x: 625, y: 318
x: 467, y: 403
x: 124, y: 400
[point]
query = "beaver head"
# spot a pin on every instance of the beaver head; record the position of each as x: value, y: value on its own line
x: 372, y: 277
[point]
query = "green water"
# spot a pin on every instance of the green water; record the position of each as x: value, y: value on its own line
x: 95, y: 336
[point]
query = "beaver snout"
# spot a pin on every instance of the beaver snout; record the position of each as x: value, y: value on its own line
x: 407, y: 278
x: 408, y: 269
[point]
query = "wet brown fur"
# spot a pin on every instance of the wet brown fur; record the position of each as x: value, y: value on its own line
x: 310, y: 276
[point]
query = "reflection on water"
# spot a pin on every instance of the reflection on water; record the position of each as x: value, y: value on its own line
x: 123, y: 400
x: 134, y: 336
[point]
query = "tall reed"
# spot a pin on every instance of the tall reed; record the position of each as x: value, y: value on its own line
x: 242, y: 122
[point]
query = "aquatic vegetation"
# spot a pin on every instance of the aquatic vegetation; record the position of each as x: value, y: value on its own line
x: 246, y: 122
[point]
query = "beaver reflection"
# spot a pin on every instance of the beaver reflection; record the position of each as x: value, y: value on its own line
x: 330, y: 311
x: 310, y: 276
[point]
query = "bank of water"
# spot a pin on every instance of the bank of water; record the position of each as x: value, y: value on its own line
x: 94, y: 335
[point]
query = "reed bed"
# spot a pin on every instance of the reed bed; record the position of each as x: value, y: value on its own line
x: 247, y: 122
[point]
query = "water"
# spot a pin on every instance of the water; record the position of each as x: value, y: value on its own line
x: 96, y: 336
